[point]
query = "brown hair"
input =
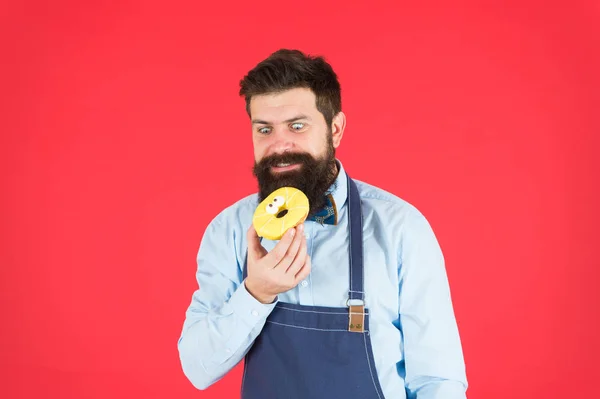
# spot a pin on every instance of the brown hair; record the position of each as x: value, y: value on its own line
x: 288, y: 69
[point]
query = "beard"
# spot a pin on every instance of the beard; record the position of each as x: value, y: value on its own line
x: 314, y: 176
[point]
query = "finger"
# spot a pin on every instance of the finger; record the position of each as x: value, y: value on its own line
x: 278, y: 252
x: 292, y: 251
x: 304, y: 271
x: 254, y: 245
x: 300, y: 258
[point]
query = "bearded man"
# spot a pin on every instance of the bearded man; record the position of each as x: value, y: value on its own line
x: 352, y: 303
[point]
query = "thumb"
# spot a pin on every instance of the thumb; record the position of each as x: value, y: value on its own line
x: 255, y: 248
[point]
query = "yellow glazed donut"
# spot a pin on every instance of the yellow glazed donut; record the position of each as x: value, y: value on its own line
x: 284, y: 208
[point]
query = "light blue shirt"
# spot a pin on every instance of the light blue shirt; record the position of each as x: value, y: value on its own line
x: 416, y: 343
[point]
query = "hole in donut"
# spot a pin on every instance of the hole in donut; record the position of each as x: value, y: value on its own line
x: 282, y: 213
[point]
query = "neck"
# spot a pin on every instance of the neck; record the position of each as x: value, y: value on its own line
x: 335, y: 171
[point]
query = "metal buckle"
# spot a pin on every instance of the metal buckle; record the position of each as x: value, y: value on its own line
x: 355, y: 302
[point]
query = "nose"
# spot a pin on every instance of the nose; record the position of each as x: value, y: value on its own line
x: 281, y: 142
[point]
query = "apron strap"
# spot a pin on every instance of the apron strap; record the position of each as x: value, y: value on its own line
x: 356, y: 294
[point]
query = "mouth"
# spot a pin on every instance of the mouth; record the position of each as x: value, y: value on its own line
x: 284, y: 167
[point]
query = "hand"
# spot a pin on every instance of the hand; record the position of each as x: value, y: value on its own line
x: 271, y: 273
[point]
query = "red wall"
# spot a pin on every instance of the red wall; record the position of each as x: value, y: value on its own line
x: 122, y: 136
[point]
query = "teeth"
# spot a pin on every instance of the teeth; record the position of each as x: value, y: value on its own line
x: 282, y: 165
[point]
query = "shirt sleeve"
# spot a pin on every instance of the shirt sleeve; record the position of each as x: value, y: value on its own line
x: 223, y: 319
x: 434, y: 360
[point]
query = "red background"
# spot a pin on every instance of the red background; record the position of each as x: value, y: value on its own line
x: 123, y: 135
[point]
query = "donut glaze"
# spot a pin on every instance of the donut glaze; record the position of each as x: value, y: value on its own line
x: 283, y: 209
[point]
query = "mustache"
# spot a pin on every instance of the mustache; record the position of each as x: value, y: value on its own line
x: 275, y: 159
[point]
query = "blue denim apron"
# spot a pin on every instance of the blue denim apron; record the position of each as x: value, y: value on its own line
x: 313, y: 352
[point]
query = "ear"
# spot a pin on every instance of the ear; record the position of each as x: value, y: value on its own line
x: 338, y: 124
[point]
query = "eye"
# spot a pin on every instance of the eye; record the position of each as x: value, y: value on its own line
x: 272, y: 208
x: 278, y: 201
x: 297, y: 126
x: 264, y: 130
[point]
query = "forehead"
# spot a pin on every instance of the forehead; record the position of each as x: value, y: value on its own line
x: 283, y: 105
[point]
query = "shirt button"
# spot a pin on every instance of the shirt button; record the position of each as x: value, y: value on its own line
x: 307, y: 236
x: 304, y: 283
x: 254, y: 313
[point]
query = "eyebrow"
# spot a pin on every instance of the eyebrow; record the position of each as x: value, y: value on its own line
x: 294, y: 119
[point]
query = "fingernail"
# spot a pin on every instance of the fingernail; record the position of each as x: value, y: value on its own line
x: 293, y: 231
x: 301, y: 227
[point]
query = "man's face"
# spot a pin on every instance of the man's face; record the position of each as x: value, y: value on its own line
x: 293, y: 146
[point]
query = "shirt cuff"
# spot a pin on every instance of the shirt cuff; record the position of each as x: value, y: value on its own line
x: 249, y: 309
